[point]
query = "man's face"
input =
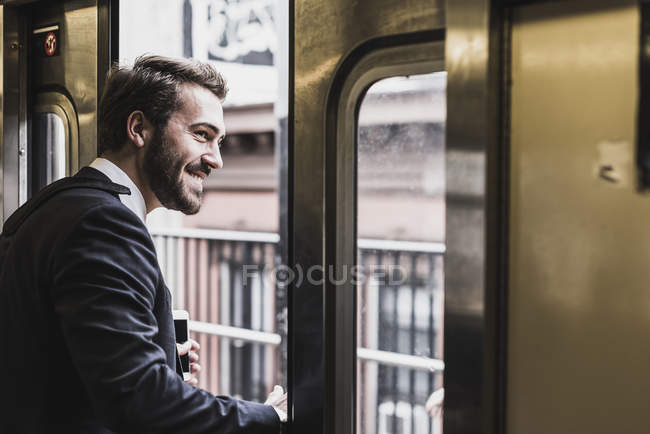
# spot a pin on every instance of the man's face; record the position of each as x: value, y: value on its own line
x: 180, y: 157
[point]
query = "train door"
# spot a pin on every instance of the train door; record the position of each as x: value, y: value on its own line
x: 365, y: 354
x: 56, y: 54
x: 579, y: 238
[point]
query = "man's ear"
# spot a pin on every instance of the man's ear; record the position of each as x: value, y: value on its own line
x: 138, y: 128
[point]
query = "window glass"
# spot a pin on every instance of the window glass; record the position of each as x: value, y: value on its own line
x: 49, y: 146
x: 400, y: 225
x: 218, y: 263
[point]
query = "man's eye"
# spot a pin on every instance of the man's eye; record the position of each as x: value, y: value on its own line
x: 202, y: 134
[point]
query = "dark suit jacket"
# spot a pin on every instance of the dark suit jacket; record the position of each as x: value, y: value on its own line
x: 87, y: 340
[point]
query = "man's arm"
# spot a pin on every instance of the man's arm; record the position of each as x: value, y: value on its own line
x: 103, y: 294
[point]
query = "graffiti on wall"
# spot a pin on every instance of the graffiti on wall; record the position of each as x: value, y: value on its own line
x: 242, y: 31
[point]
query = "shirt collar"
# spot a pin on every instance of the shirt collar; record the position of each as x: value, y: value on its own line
x: 134, y: 201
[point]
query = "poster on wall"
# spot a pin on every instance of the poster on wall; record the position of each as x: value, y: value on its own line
x: 242, y: 31
x: 239, y: 37
x: 243, y: 44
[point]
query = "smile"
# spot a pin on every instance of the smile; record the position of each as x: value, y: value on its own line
x: 199, y: 176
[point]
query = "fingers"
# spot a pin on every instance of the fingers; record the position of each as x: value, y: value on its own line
x: 281, y: 403
x: 281, y: 396
x: 186, y: 347
x: 190, y: 347
x: 277, y: 398
x: 195, y: 368
x: 183, y: 348
x: 195, y: 345
x: 435, y: 402
x: 274, y: 395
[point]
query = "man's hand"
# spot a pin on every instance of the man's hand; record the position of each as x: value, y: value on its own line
x: 191, y: 347
x: 434, y: 403
x: 278, y: 400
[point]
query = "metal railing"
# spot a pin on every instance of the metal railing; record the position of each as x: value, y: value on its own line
x: 399, y: 314
x: 240, y: 318
x: 238, y: 333
x: 234, y: 317
x: 384, y: 357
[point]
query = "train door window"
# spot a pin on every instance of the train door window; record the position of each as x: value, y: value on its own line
x: 49, y: 136
x: 55, y: 140
x: 218, y: 263
x: 400, y: 230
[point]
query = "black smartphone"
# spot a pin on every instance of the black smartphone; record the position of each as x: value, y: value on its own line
x: 181, y: 322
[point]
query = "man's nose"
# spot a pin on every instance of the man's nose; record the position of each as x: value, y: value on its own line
x: 213, y: 160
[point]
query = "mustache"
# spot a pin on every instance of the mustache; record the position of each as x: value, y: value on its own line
x: 199, y: 166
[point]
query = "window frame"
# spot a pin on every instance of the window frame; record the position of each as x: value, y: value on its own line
x: 405, y: 58
x: 324, y: 315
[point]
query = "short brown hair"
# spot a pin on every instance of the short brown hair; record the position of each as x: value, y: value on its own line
x: 152, y: 85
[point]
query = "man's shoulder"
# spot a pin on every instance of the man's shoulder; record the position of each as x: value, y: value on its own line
x: 83, y: 204
x: 88, y: 188
x: 66, y: 202
x: 88, y: 216
x: 83, y: 197
x: 79, y: 201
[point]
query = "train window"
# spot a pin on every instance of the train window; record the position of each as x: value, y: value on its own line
x: 54, y: 139
x: 400, y: 227
x: 219, y: 263
x: 48, y: 145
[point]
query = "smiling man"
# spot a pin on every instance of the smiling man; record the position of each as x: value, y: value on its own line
x: 86, y: 325
x: 174, y: 135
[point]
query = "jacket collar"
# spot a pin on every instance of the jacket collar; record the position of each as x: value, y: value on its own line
x: 88, y: 172
x: 87, y: 177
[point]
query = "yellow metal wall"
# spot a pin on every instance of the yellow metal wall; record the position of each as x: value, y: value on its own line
x: 579, y: 296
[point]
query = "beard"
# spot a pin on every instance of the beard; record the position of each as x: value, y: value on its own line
x: 164, y: 171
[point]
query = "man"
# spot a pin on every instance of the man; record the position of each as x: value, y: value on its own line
x: 86, y: 331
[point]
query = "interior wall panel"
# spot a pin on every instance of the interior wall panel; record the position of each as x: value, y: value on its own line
x: 579, y: 303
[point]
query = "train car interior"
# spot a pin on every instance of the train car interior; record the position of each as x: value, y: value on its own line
x: 431, y: 213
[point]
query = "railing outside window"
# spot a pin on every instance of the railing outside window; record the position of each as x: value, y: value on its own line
x: 233, y: 287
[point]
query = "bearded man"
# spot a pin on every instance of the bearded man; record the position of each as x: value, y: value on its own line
x: 85, y: 321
